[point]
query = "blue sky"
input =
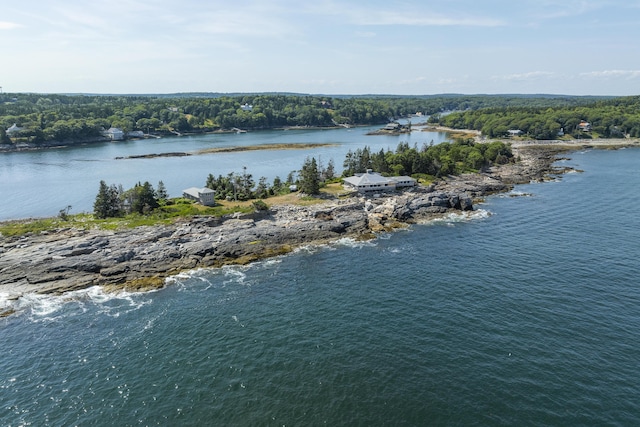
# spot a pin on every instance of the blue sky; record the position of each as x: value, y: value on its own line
x: 577, y: 47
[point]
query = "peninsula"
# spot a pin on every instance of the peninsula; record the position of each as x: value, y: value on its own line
x: 142, y: 258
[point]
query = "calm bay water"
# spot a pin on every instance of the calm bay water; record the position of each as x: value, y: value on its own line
x: 41, y: 183
x: 525, y: 312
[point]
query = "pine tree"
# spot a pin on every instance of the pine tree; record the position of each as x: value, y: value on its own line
x: 309, y: 181
x: 107, y: 203
x: 142, y: 198
x: 162, y: 191
x: 330, y: 172
x: 4, y: 138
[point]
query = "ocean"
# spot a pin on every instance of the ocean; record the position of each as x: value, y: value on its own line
x: 523, y: 312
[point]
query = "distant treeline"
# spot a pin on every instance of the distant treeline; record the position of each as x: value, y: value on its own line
x: 612, y: 118
x: 82, y: 118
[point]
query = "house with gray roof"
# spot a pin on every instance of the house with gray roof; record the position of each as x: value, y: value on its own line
x: 114, y: 134
x: 205, y: 196
x: 370, y: 182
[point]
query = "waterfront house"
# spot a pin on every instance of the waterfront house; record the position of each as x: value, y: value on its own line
x: 13, y: 129
x: 514, y: 132
x: 114, y: 134
x: 205, y: 196
x: 135, y: 134
x: 374, y: 182
x: 246, y: 107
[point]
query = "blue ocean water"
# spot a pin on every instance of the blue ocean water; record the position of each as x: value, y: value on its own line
x: 524, y: 312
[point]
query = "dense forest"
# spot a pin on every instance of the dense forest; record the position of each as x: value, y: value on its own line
x: 43, y: 118
x: 447, y: 158
x: 612, y: 118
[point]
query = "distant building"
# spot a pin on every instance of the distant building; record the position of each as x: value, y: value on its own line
x: 135, y: 134
x: 584, y: 126
x: 374, y: 182
x: 514, y: 132
x: 114, y: 134
x: 246, y: 107
x: 14, y: 129
x: 205, y: 196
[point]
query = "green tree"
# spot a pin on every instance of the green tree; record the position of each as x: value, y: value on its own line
x: 277, y: 186
x: 141, y: 198
x: 309, y: 180
x: 107, y: 203
x: 262, y: 189
x: 4, y: 138
x: 330, y: 171
x: 161, y: 192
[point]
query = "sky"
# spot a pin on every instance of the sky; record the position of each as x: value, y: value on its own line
x: 572, y: 47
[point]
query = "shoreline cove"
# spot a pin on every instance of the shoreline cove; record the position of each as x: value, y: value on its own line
x: 145, y: 258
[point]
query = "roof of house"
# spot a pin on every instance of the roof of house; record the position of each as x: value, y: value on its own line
x: 368, y: 178
x: 14, y: 128
x: 196, y: 192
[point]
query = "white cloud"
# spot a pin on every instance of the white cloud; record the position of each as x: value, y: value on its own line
x: 430, y: 20
x: 402, y: 14
x: 612, y: 74
x: 4, y: 25
x: 532, y: 75
x: 557, y: 9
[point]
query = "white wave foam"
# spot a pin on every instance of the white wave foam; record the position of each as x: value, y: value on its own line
x: 460, y: 217
x: 53, y: 307
x: 353, y: 243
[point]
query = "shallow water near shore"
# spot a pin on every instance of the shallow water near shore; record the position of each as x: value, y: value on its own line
x: 524, y: 313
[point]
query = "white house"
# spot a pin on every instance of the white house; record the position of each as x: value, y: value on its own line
x: 374, y: 182
x: 246, y: 107
x: 114, y: 134
x: 205, y: 196
x: 13, y: 129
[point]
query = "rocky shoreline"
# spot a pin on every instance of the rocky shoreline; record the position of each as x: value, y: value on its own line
x: 142, y: 258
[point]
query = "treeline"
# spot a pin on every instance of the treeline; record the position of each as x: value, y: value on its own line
x: 113, y: 201
x: 447, y: 158
x: 615, y: 118
x: 83, y: 118
x: 242, y: 186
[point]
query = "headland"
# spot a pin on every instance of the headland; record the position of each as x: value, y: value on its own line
x: 139, y: 259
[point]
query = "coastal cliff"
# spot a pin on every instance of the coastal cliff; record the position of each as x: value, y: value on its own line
x: 138, y: 259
